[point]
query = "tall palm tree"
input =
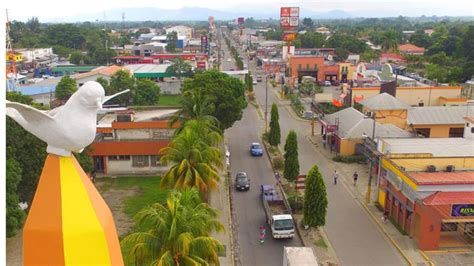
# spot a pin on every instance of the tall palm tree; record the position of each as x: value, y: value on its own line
x: 176, y: 233
x: 195, y: 162
x: 194, y: 105
x: 390, y: 41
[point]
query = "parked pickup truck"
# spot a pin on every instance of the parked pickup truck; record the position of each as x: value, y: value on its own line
x: 278, y: 213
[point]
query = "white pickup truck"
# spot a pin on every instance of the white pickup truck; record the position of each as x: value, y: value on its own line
x: 278, y: 213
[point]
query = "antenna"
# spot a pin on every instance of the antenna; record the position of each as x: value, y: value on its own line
x: 123, y: 20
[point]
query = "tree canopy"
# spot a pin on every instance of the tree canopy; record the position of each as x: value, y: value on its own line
x: 227, y: 94
x: 65, y: 88
x: 179, y: 68
x: 292, y: 165
x: 274, y: 134
x: 315, y: 199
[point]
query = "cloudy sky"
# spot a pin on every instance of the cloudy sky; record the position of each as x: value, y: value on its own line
x: 56, y: 10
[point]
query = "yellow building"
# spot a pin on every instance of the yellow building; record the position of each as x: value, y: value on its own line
x: 428, y: 121
x: 346, y: 128
x: 417, y: 96
x: 17, y: 57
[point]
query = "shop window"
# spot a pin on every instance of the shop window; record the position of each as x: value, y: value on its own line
x: 425, y: 132
x: 299, y: 66
x: 140, y: 161
x: 155, y: 160
x: 456, y: 132
x: 119, y: 158
x: 449, y: 227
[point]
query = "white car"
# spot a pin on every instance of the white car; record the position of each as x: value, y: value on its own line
x: 327, y: 83
x: 254, y: 82
x: 229, y: 60
x: 24, y: 72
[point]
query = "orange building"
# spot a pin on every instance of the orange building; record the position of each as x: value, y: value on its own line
x: 411, y: 49
x: 315, y: 66
x: 129, y: 142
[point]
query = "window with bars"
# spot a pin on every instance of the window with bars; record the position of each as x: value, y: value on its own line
x: 119, y: 158
x: 155, y: 160
x: 140, y: 161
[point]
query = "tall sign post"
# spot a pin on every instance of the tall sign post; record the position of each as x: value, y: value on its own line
x: 289, y: 21
x: 241, y: 21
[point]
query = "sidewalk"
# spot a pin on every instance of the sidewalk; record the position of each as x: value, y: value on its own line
x: 219, y: 199
x: 403, y: 243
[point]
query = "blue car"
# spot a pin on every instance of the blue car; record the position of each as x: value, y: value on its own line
x: 256, y: 149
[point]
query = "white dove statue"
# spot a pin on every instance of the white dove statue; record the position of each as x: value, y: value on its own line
x: 68, y: 128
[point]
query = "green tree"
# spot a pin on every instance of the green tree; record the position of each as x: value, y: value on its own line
x: 419, y: 38
x: 171, y: 40
x: 104, y: 82
x: 195, y: 106
x: 194, y: 163
x: 180, y: 68
x: 121, y: 80
x: 62, y: 51
x: 390, y: 40
x: 147, y: 92
x: 33, y: 25
x: 177, y: 233
x: 315, y: 199
x: 65, y: 88
x: 369, y: 55
x: 436, y: 72
x: 274, y: 134
x: 292, y: 165
x: 467, y: 43
x: 14, y: 215
x: 310, y: 40
x: 308, y: 23
x: 226, y: 93
x: 77, y: 58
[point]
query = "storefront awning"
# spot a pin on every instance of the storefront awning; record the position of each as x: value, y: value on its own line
x: 452, y: 206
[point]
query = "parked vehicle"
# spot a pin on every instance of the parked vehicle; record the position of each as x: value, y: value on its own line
x: 255, y: 82
x: 242, y: 182
x: 256, y: 149
x: 278, y: 213
x: 259, y: 78
x: 299, y: 256
x: 327, y: 83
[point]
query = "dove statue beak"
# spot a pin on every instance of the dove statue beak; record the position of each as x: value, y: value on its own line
x: 99, y: 103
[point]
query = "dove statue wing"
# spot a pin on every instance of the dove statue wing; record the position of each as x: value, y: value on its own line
x: 108, y: 98
x: 25, y: 114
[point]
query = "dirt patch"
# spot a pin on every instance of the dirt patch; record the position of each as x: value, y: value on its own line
x: 114, y: 199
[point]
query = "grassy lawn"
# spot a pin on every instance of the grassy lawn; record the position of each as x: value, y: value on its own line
x: 149, y: 191
x: 321, y: 243
x: 171, y: 100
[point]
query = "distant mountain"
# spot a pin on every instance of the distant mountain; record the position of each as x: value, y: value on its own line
x: 194, y: 13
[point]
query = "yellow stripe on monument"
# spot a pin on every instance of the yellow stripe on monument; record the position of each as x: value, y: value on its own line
x: 84, y: 238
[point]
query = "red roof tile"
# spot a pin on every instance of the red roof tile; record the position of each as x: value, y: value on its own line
x: 443, y: 178
x: 445, y: 198
x: 410, y: 48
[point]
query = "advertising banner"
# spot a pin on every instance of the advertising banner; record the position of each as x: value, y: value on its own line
x: 462, y: 210
x: 289, y: 17
x: 241, y: 20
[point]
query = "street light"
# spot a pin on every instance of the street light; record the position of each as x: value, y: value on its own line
x: 266, y: 100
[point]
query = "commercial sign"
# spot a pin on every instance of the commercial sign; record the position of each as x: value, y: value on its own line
x: 462, y: 210
x: 289, y: 17
x: 240, y: 20
x: 204, y: 43
x: 289, y: 36
x: 201, y: 65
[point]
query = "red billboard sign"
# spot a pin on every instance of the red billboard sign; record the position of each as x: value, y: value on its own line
x: 289, y: 17
x: 241, y: 20
x: 201, y: 65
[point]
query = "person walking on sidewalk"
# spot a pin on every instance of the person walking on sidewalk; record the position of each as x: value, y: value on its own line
x: 355, y: 176
x: 335, y: 175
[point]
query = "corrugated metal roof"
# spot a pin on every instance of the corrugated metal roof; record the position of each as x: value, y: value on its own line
x: 437, y: 147
x: 353, y: 124
x: 384, y: 101
x: 439, y: 115
x: 443, y: 178
x: 445, y: 198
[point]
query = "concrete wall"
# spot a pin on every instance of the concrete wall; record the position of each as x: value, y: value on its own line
x: 347, y: 146
x: 395, y: 117
x: 126, y: 168
x: 420, y: 164
x: 140, y: 134
x: 44, y: 98
x: 171, y: 87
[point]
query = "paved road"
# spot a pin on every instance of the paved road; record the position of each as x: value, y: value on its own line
x: 248, y: 206
x: 355, y: 238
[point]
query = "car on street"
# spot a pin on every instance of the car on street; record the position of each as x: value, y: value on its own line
x: 254, y: 82
x: 24, y: 72
x: 256, y: 149
x: 327, y: 83
x: 242, y: 182
x: 259, y: 78
x: 229, y: 60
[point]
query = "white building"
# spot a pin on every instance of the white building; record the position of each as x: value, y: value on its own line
x: 181, y: 30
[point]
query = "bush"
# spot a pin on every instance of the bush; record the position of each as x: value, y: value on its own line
x: 296, y: 201
x: 265, y: 136
x: 278, y: 162
x: 349, y: 158
x: 297, y: 104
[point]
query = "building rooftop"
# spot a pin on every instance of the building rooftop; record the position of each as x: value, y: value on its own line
x: 102, y: 70
x: 410, y: 48
x: 439, y: 115
x: 148, y: 70
x: 435, y: 147
x: 447, y: 198
x: 354, y: 124
x: 384, y: 101
x: 45, y: 86
x: 138, y: 116
x: 443, y: 178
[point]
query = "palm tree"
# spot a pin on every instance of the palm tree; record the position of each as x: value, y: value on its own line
x: 194, y: 105
x: 390, y: 41
x: 195, y: 162
x: 176, y: 233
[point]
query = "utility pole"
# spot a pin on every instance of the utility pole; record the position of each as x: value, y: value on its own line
x: 106, y: 52
x: 369, y: 187
x: 266, y: 100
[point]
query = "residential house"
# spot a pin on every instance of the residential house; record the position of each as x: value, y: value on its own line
x: 411, y: 49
